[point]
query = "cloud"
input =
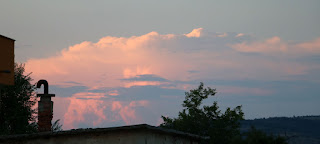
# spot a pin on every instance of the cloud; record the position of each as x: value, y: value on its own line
x: 72, y: 83
x: 143, y: 80
x: 275, y: 45
x: 312, y: 47
x: 110, y: 107
x: 128, y: 112
x: 92, y: 111
x: 195, y: 33
x: 239, y: 35
x: 104, y: 62
x: 126, y: 80
x: 146, y: 77
x: 244, y: 90
x: 272, y: 45
x: 79, y: 108
x: 109, y: 61
x: 113, y: 93
x: 64, y: 90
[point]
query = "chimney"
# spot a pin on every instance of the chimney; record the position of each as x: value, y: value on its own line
x: 45, y: 108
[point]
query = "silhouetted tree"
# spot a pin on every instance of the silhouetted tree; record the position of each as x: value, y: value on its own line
x: 221, y: 127
x: 16, y: 102
x: 206, y: 120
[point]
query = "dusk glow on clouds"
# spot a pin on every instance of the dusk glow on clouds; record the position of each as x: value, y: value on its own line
x: 130, y: 80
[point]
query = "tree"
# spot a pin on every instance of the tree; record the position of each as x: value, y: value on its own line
x: 206, y: 120
x: 221, y: 127
x: 254, y: 136
x: 16, y: 102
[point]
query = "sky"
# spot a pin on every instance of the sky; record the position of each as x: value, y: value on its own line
x: 113, y: 63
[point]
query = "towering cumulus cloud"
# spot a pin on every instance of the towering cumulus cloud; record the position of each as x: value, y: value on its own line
x: 124, y: 80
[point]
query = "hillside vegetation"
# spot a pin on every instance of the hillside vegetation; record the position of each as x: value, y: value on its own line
x: 302, y: 129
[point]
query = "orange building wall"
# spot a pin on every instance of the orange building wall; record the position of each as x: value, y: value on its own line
x: 6, y: 60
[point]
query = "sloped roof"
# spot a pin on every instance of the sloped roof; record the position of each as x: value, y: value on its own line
x: 7, y: 37
x: 143, y: 127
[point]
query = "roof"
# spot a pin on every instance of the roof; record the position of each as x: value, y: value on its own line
x: 144, y: 127
x: 7, y: 37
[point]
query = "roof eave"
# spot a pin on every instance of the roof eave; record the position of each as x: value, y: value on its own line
x: 7, y: 37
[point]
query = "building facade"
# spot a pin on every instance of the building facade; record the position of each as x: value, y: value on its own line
x: 6, y: 61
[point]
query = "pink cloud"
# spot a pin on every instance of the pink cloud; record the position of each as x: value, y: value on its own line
x: 95, y: 111
x: 240, y: 35
x: 113, y: 93
x: 275, y: 45
x: 60, y: 105
x: 195, y: 33
x: 141, y: 83
x: 128, y: 112
x: 128, y: 73
x: 78, y: 108
x: 143, y: 103
x: 110, y: 60
x: 89, y: 95
x: 116, y: 105
x: 272, y: 45
x: 312, y: 47
x: 105, y: 63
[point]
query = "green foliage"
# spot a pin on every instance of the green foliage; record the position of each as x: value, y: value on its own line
x: 206, y: 120
x: 221, y: 127
x: 56, y: 126
x: 16, y: 102
x: 298, y: 129
x: 254, y: 136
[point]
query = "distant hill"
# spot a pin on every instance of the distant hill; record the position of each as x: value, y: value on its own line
x: 298, y: 130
